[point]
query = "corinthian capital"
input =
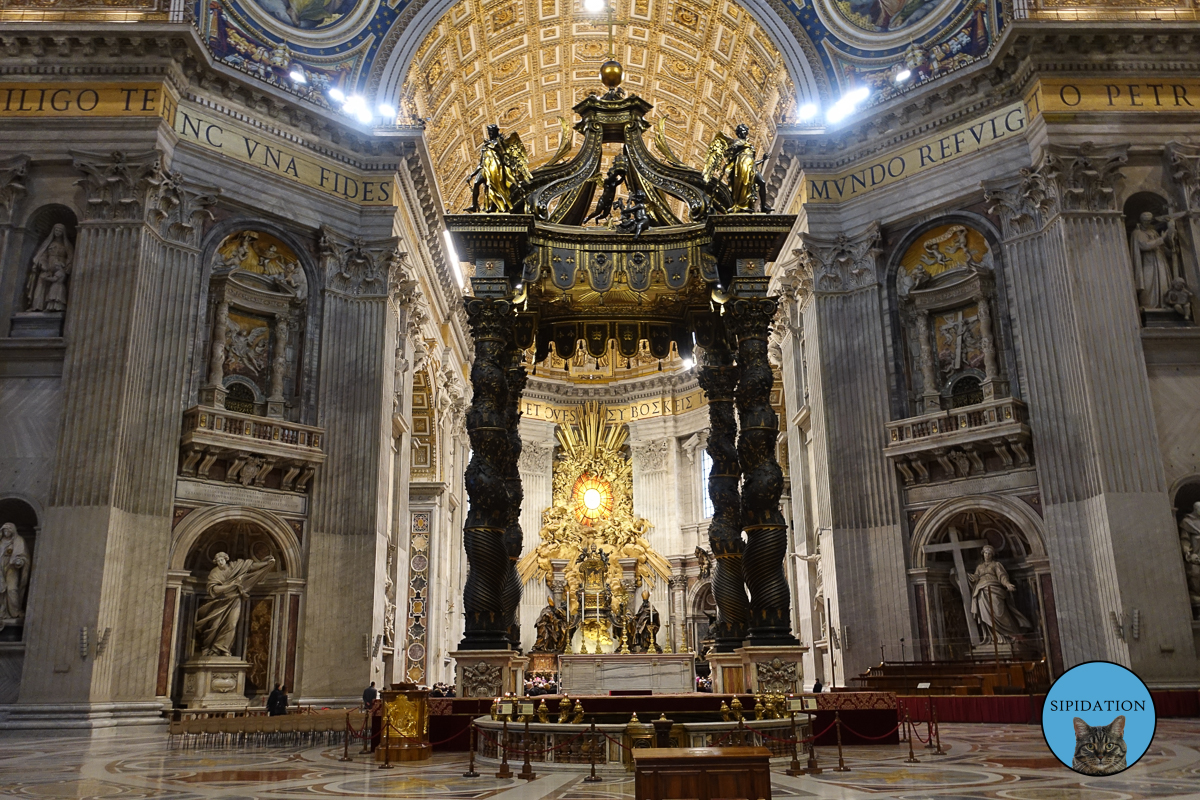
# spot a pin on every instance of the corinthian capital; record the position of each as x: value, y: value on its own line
x: 12, y: 181
x: 180, y: 207
x: 1083, y: 178
x: 1022, y: 205
x: 366, y: 269
x: 1185, y: 169
x: 116, y: 184
x: 838, y: 265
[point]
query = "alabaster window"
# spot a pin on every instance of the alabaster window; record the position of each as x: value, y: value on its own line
x: 706, y: 502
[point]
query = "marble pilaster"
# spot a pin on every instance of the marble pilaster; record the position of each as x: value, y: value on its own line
x: 856, y: 500
x: 348, y: 538
x: 1091, y: 414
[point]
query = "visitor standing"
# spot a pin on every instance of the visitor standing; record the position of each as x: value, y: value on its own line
x: 273, y: 702
x: 370, y: 695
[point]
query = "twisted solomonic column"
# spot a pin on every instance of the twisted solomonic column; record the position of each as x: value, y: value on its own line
x: 766, y: 532
x: 718, y: 378
x: 487, y: 478
x: 510, y: 592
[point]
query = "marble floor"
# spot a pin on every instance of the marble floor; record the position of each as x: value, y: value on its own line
x: 984, y: 761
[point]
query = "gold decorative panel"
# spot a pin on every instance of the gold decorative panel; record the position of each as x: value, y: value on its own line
x: 705, y: 64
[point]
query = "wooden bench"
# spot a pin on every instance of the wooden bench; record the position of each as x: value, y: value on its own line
x: 702, y: 773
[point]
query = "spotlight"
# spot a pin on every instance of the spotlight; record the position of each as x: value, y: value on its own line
x: 594, y: 6
x: 452, y: 256
x: 807, y: 111
x: 903, y: 75
x: 847, y: 103
x: 357, y: 107
x: 386, y: 111
x: 297, y: 75
x: 337, y: 96
x: 688, y: 363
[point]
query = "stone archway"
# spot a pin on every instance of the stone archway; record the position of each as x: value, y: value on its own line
x: 947, y: 548
x: 269, y: 628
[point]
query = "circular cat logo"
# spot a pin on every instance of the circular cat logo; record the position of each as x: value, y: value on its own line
x: 1098, y: 718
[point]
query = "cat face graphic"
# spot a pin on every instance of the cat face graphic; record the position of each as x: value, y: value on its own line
x: 1100, y: 749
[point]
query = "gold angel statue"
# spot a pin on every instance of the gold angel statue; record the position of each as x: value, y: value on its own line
x: 732, y: 161
x: 503, y: 170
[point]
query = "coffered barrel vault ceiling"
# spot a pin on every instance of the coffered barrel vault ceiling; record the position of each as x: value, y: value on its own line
x: 705, y: 64
x: 367, y: 47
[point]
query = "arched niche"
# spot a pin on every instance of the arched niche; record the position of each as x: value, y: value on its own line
x: 1186, y: 494
x: 1157, y: 253
x: 40, y: 296
x: 261, y: 296
x: 269, y: 627
x: 949, y: 316
x: 16, y: 566
x: 946, y: 547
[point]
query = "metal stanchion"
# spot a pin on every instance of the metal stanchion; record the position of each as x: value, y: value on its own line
x: 346, y: 747
x: 387, y: 743
x: 912, y: 758
x: 837, y: 720
x: 813, y: 767
x: 929, y: 723
x: 937, y: 733
x: 795, y: 768
x: 368, y: 732
x: 526, y: 773
x: 741, y: 729
x: 471, y: 773
x: 504, y: 772
x: 592, y: 776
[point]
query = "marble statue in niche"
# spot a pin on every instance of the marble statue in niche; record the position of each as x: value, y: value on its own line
x: 1189, y: 544
x: 1153, y: 264
x: 991, y: 601
x: 14, y: 575
x: 229, y: 584
x: 46, y: 287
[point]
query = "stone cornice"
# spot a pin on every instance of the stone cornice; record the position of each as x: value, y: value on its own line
x: 175, y: 52
x: 1026, y: 49
x: 621, y: 393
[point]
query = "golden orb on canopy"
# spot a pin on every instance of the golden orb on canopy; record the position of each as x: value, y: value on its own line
x: 611, y: 73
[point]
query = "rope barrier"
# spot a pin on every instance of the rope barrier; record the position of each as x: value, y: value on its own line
x: 871, y: 738
x: 913, y: 729
x: 511, y: 749
x: 812, y: 738
x: 617, y: 742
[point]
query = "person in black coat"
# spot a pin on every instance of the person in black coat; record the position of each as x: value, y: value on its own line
x: 274, y: 705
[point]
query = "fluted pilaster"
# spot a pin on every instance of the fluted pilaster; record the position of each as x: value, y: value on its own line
x: 1100, y: 466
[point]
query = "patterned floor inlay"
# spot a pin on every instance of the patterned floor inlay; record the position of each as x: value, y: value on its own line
x: 984, y: 762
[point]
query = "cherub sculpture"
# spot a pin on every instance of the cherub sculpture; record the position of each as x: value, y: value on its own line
x: 614, y: 178
x: 732, y: 161
x: 503, y: 170
x: 634, y: 218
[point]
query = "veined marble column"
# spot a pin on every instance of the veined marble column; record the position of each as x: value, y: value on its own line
x: 349, y: 514
x: 536, y: 469
x: 1099, y: 461
x: 130, y: 321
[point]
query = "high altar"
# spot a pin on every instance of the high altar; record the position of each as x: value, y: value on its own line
x: 594, y: 557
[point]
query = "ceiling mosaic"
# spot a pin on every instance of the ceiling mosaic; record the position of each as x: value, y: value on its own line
x: 365, y: 47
